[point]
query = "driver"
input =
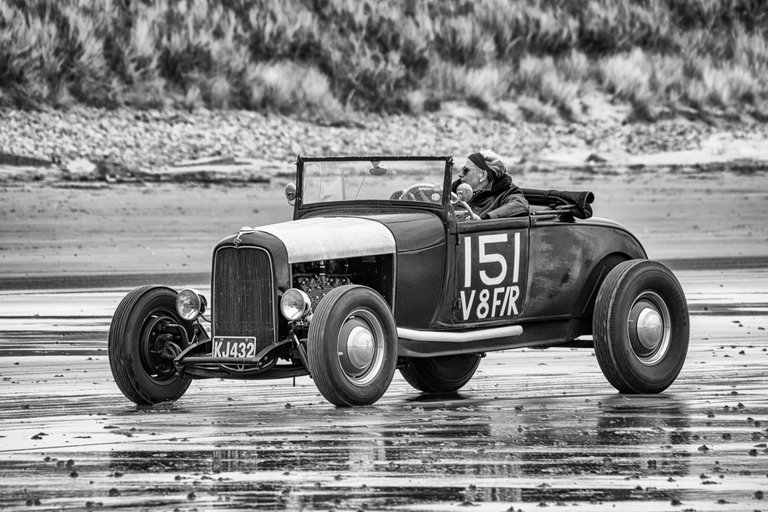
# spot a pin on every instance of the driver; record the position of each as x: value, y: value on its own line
x: 494, y: 195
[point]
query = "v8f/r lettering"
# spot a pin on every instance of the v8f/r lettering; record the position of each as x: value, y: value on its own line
x: 495, y: 260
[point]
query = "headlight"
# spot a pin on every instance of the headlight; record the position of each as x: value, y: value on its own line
x: 295, y: 304
x: 190, y: 304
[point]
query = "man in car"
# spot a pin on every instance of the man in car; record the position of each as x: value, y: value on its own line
x: 494, y: 195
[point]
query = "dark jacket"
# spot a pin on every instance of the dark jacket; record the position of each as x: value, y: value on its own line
x: 504, y: 199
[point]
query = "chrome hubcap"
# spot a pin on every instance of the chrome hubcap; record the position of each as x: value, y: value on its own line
x: 361, y: 347
x: 650, y: 328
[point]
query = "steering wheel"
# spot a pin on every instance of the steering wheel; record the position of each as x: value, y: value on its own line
x: 424, y: 192
x: 462, y: 210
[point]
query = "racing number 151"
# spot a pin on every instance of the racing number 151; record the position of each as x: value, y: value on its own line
x: 497, y: 293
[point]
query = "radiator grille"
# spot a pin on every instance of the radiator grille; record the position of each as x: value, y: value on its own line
x: 243, y: 294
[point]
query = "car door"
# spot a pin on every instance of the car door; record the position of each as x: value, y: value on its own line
x: 490, y: 271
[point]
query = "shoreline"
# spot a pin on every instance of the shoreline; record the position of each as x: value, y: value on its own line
x: 159, y: 228
x: 117, y: 280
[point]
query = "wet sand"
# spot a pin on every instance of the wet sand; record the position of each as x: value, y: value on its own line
x: 533, y: 427
x: 171, y: 229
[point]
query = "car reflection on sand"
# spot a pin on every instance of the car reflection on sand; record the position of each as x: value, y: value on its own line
x: 464, y: 439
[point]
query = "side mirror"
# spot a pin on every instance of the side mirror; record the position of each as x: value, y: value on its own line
x: 377, y: 169
x: 290, y: 193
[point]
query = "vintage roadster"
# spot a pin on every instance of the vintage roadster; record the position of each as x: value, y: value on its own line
x: 379, y: 270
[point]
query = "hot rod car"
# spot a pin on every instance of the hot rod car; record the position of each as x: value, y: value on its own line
x: 381, y: 269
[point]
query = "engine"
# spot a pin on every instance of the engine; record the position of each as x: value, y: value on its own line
x: 317, y: 278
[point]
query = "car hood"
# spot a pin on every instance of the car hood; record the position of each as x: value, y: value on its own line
x: 317, y: 238
x: 326, y: 238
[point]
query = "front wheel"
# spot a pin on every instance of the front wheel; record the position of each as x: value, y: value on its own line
x: 640, y: 327
x: 144, y: 338
x: 352, y: 346
x: 444, y: 374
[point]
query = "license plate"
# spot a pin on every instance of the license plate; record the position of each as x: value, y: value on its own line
x: 240, y: 347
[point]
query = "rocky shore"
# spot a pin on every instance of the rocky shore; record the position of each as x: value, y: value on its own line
x: 87, y: 144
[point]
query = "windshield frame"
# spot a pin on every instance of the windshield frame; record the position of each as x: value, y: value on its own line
x: 300, y: 165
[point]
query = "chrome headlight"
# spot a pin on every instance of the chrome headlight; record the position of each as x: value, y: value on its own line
x: 190, y: 304
x: 295, y: 304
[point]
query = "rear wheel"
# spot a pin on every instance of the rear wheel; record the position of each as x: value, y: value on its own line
x: 352, y: 346
x: 444, y: 374
x: 143, y: 342
x: 640, y: 326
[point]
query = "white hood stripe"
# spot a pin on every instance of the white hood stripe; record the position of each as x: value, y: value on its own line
x: 331, y: 238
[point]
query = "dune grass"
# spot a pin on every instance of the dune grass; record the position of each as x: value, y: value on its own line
x: 325, y: 57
